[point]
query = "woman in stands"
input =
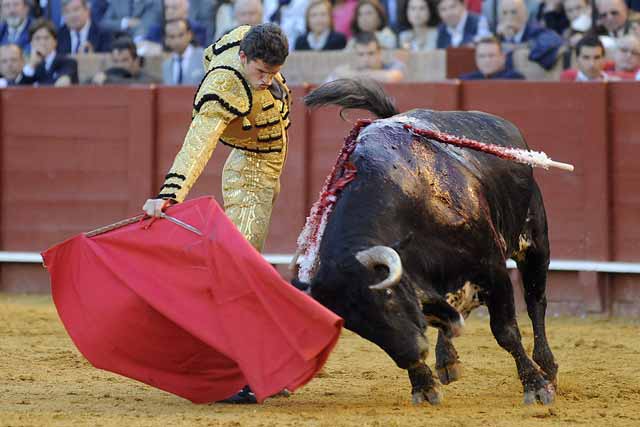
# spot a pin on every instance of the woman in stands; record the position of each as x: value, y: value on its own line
x: 423, y: 19
x: 320, y: 33
x: 371, y: 17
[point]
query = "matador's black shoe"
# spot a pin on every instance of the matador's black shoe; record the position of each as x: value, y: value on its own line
x: 244, y: 396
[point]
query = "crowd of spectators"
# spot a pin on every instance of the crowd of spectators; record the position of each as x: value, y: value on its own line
x: 41, y: 40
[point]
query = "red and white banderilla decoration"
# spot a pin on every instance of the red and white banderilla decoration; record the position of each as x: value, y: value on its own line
x: 531, y: 158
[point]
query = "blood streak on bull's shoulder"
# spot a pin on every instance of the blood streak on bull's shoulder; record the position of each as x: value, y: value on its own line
x: 342, y: 173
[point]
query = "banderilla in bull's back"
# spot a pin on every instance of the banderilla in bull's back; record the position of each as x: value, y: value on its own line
x: 527, y: 157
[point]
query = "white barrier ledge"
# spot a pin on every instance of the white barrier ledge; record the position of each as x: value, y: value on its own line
x: 34, y: 257
x: 597, y: 266
x: 24, y: 257
x: 285, y: 259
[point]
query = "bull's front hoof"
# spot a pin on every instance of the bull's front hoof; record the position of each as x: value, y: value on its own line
x: 545, y: 395
x: 449, y: 373
x: 433, y: 396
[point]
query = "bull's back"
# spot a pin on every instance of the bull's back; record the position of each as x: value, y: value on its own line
x: 455, y: 182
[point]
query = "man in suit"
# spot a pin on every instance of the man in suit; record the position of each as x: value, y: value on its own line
x: 204, y: 13
x: 16, y: 27
x: 98, y: 9
x: 395, y: 11
x: 369, y: 62
x: 516, y: 30
x: 132, y: 16
x: 245, y: 12
x: 45, y: 66
x: 177, y: 9
x: 79, y: 34
x: 459, y: 27
x: 184, y: 67
x: 613, y: 17
x: 491, y: 62
x: 49, y: 9
x: 126, y: 66
x: 11, y: 64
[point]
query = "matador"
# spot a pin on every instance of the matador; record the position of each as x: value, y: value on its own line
x: 243, y: 102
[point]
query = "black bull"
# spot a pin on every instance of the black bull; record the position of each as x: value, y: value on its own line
x: 453, y: 216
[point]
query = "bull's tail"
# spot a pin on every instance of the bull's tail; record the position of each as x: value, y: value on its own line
x: 361, y: 93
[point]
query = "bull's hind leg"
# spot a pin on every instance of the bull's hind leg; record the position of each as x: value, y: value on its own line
x: 505, y: 329
x: 533, y: 263
x: 448, y: 364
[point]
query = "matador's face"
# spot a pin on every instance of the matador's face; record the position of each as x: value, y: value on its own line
x: 259, y: 74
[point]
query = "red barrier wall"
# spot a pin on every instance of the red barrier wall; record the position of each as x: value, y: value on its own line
x: 77, y: 158
x: 66, y: 167
x: 569, y: 123
x: 70, y: 163
x: 624, y: 135
x: 460, y: 60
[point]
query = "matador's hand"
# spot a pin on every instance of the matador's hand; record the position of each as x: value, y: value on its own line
x: 155, y: 207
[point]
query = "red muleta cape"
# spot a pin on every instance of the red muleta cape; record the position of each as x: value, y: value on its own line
x: 197, y: 316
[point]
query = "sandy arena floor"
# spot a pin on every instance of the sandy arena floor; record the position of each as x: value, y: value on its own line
x: 44, y: 381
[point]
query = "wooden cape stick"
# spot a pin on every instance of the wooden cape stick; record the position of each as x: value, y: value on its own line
x: 115, y: 225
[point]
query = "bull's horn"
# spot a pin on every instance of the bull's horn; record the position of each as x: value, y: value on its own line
x: 382, y: 255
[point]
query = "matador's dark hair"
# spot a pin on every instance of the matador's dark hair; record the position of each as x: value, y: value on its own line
x: 266, y: 42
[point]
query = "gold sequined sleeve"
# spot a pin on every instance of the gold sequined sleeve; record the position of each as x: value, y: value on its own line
x: 205, y: 130
x: 222, y: 96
